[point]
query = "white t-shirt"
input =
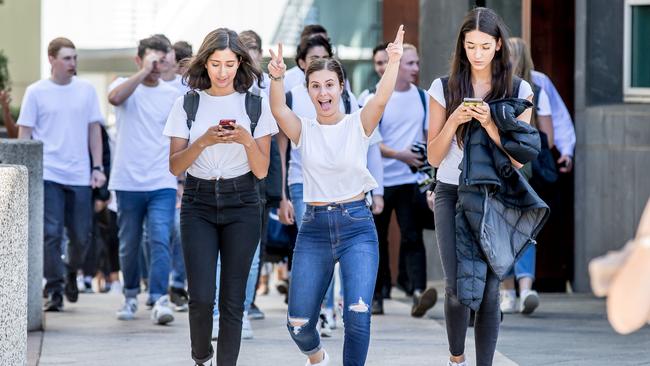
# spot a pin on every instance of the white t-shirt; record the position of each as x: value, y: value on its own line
x: 141, y: 160
x: 293, y: 77
x: 59, y: 116
x: 302, y: 106
x: 179, y: 85
x: 334, y: 159
x: 219, y: 160
x: 448, y: 171
x: 543, y: 104
x: 403, y: 123
x: 266, y: 86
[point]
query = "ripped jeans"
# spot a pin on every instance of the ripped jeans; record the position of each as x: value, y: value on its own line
x: 338, y: 232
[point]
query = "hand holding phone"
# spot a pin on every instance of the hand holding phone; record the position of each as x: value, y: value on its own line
x: 227, y: 124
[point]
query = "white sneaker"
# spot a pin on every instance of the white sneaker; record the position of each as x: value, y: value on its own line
x: 246, y: 328
x: 162, y: 313
x: 324, y: 362
x: 450, y: 363
x: 529, y: 301
x: 508, y: 301
x: 128, y: 309
x: 324, y: 327
x: 116, y: 288
x: 329, y: 317
x: 215, y: 328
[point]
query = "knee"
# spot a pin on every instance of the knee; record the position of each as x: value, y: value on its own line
x: 297, y: 326
x: 357, y: 316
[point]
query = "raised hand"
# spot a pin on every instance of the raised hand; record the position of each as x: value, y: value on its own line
x: 276, y: 65
x: 395, y: 48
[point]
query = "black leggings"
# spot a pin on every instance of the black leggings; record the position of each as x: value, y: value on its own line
x: 488, y: 317
x: 219, y: 218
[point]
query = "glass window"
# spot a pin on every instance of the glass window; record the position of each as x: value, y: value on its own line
x: 636, y: 63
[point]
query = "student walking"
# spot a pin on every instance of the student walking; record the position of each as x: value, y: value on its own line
x: 63, y: 112
x: 337, y: 225
x: 480, y: 69
x: 224, y: 144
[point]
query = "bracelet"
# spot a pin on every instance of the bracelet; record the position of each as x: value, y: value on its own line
x: 276, y: 78
x: 99, y: 167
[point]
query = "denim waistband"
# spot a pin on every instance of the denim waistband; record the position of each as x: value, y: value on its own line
x: 337, y: 206
x: 244, y: 182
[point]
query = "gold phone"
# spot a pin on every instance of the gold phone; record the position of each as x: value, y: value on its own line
x: 471, y: 102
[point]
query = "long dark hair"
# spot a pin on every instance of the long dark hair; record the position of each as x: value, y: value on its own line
x: 460, y: 80
x: 197, y: 76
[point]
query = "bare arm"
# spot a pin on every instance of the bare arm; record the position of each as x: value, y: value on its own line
x: 98, y: 178
x: 258, y: 154
x: 442, y: 130
x: 122, y: 92
x: 10, y: 124
x: 24, y: 132
x: 287, y: 120
x: 285, y: 211
x: 374, y: 108
x: 181, y: 156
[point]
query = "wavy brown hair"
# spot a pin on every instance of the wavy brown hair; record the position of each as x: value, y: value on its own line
x: 460, y: 76
x: 220, y: 39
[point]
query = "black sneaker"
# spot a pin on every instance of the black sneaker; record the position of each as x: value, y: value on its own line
x: 54, y: 302
x: 71, y: 289
x: 178, y: 296
x: 377, y: 307
x: 424, y: 301
x: 283, y: 287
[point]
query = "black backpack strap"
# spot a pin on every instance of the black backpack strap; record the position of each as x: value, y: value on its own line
x: 191, y: 105
x: 424, y: 104
x: 516, y: 84
x: 346, y: 101
x: 253, y: 109
x: 372, y: 90
x: 536, y: 90
x: 289, y: 99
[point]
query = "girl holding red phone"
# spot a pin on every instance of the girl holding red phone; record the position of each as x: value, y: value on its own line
x: 221, y: 207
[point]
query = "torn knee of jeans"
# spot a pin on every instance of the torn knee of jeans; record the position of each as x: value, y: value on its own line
x: 296, y: 324
x: 359, y: 307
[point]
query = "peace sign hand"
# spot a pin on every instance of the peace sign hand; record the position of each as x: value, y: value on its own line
x: 276, y: 65
x: 395, y: 48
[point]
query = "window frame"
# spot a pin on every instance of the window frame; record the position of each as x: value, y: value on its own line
x: 631, y: 94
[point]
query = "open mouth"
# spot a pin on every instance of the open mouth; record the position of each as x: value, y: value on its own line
x: 325, y: 105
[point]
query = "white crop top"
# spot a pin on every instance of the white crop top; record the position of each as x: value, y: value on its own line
x: 334, y: 159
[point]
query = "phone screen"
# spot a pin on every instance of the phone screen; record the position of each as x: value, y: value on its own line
x: 227, y: 124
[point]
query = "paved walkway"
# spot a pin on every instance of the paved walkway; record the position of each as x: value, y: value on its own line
x: 566, y: 330
x: 88, y: 334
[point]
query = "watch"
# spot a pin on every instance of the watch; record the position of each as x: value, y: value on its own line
x: 99, y: 167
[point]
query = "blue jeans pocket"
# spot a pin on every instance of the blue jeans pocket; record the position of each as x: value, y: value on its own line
x: 361, y: 213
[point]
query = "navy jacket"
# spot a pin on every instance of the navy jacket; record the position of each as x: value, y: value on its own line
x: 498, y: 213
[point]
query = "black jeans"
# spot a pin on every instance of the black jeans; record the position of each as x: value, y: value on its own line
x: 486, y: 324
x: 412, y: 253
x: 219, y: 217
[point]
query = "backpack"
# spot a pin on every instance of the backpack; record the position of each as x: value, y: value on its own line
x: 347, y: 104
x: 253, y: 108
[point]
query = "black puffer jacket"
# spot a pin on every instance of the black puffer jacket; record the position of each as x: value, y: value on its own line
x: 498, y: 214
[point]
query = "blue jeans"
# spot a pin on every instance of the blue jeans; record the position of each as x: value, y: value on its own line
x: 157, y: 207
x: 525, y: 265
x: 338, y: 232
x: 250, y: 283
x: 296, y: 193
x: 68, y: 207
x: 178, y: 266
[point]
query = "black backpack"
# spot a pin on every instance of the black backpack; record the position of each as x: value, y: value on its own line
x: 271, y: 186
x: 347, y: 104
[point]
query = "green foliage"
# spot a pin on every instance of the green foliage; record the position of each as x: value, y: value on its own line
x: 4, y: 72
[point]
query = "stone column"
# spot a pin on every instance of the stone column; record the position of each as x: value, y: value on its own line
x: 13, y: 264
x: 30, y: 154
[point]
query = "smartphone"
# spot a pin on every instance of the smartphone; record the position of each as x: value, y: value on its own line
x: 226, y: 124
x: 471, y: 102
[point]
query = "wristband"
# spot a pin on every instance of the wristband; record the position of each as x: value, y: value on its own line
x: 276, y: 78
x: 99, y: 167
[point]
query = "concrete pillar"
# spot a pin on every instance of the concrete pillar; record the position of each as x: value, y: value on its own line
x: 439, y: 24
x: 13, y: 264
x: 30, y: 154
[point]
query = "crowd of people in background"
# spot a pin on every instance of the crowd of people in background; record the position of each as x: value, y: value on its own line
x: 221, y: 174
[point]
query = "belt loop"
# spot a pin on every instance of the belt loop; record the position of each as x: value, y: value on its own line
x: 234, y: 185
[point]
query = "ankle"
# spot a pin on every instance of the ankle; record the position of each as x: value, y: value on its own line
x: 317, y: 357
x: 457, y: 359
